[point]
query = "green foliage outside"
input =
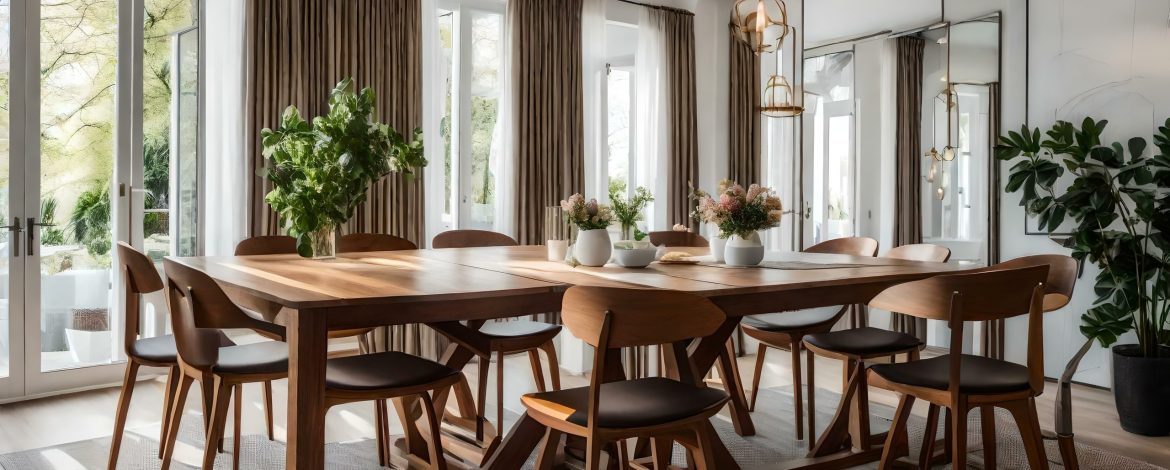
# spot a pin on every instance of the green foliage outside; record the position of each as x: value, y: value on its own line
x: 1121, y: 207
x: 628, y: 211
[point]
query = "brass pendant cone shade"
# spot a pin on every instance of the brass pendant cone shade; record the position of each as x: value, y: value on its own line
x: 777, y: 99
x: 761, y: 24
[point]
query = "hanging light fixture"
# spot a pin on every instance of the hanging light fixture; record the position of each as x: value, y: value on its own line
x: 761, y: 24
x: 777, y: 99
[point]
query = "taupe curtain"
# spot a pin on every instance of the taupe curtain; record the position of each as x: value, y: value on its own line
x: 678, y: 28
x: 993, y: 331
x: 908, y: 156
x: 743, y: 153
x: 547, y: 108
x: 298, y: 50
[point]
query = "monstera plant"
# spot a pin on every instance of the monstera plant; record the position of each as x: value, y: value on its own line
x: 321, y: 171
x: 1119, y: 202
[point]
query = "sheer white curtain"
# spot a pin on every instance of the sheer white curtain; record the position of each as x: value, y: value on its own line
x: 434, y: 101
x: 593, y: 58
x: 502, y: 159
x: 650, y: 110
x: 224, y: 221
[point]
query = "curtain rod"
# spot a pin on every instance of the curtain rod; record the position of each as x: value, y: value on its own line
x: 659, y: 7
x: 883, y: 34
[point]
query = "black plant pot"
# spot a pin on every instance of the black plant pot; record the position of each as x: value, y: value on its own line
x: 1141, y: 386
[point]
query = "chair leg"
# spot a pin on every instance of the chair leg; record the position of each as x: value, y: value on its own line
x: 929, y: 437
x: 704, y: 457
x: 554, y: 365
x: 223, y: 392
x: 959, y: 436
x: 810, y: 373
x: 485, y: 363
x: 1024, y: 412
x: 987, y: 426
x: 435, y: 443
x: 546, y: 459
x: 176, y: 417
x: 173, y: 377
x: 239, y: 432
x: 621, y: 455
x: 537, y: 372
x: 123, y: 408
x: 797, y: 398
x: 897, y: 440
x: 268, y: 409
x: 763, y: 350
x: 593, y: 453
x: 500, y: 394
x: 379, y: 422
x: 662, y: 450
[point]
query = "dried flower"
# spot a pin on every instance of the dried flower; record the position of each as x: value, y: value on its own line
x: 739, y: 211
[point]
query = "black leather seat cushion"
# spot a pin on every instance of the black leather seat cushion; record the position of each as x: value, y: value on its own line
x: 519, y: 328
x: 162, y: 350
x: 635, y: 403
x: 978, y: 375
x: 269, y: 357
x: 792, y: 320
x: 383, y: 371
x: 864, y: 341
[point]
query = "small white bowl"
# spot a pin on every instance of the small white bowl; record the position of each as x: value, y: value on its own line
x: 635, y: 257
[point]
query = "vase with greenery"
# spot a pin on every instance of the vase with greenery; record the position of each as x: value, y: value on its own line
x: 320, y: 171
x: 592, y: 219
x: 628, y: 210
x: 1119, y: 202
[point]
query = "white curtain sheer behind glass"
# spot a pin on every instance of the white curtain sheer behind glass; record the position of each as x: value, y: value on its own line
x: 650, y: 109
x: 502, y: 159
x: 224, y: 220
x: 593, y: 58
x: 434, y: 101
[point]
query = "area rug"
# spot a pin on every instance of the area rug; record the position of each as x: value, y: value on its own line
x: 773, y: 443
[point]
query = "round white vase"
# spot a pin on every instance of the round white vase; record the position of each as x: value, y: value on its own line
x: 718, y: 245
x: 744, y: 252
x: 593, y: 247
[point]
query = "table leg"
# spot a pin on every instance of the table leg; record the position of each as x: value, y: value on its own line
x: 521, y: 441
x: 308, y: 347
x: 711, y: 349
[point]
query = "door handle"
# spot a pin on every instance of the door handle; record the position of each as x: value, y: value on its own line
x: 15, y: 227
x: 32, y: 233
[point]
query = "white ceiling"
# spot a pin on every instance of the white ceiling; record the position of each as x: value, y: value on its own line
x: 827, y: 21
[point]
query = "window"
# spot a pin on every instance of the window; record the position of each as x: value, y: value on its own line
x: 472, y: 41
x: 620, y: 85
x: 829, y: 78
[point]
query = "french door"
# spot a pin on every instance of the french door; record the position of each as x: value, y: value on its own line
x: 74, y: 180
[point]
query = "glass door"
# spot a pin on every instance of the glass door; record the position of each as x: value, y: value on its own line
x: 12, y: 180
x: 829, y: 170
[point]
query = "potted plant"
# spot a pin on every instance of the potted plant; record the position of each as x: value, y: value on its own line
x: 1119, y: 202
x: 628, y: 211
x: 740, y: 215
x: 592, y: 247
x: 320, y: 172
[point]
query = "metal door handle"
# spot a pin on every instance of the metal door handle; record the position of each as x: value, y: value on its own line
x: 32, y: 234
x: 15, y: 227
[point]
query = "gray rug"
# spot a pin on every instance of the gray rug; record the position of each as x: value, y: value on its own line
x: 773, y: 443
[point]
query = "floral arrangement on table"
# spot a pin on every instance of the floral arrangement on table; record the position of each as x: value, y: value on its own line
x: 628, y: 211
x: 739, y: 212
x: 592, y: 246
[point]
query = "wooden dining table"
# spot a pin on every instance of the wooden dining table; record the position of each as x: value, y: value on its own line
x: 359, y: 290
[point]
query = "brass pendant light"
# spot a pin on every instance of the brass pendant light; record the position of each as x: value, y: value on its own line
x: 761, y: 24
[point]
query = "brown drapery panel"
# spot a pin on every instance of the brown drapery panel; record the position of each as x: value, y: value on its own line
x: 908, y: 160
x: 683, y: 136
x: 993, y: 331
x: 548, y: 121
x: 297, y: 51
x: 743, y: 153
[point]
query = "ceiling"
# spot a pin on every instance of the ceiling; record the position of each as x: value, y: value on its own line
x: 833, y: 20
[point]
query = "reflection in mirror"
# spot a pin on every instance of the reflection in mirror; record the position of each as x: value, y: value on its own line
x: 828, y: 118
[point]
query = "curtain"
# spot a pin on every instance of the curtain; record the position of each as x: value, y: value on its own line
x: 298, y: 50
x: 547, y: 108
x: 908, y: 163
x: 225, y: 220
x: 744, y: 160
x: 650, y: 114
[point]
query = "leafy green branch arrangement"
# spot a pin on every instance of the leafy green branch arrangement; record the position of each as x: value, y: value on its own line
x: 1120, y: 202
x: 320, y: 173
x: 628, y: 211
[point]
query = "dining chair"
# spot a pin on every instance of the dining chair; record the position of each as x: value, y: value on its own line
x: 786, y: 330
x: 202, y: 309
x: 140, y: 278
x: 501, y: 338
x: 857, y: 346
x: 671, y: 238
x: 366, y: 242
x: 961, y: 382
x: 612, y: 408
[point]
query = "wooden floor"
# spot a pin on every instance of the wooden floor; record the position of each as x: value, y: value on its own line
x: 88, y: 415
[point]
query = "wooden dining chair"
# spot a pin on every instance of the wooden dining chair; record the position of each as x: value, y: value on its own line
x: 613, y: 408
x: 671, y: 238
x: 961, y: 382
x: 266, y: 245
x: 367, y: 242
x: 202, y: 309
x: 501, y: 338
x: 140, y: 277
x: 857, y: 346
x: 786, y: 330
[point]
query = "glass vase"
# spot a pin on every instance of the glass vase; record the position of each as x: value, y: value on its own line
x: 627, y: 232
x: 323, y: 243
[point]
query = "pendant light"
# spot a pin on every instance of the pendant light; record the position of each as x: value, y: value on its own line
x: 761, y: 24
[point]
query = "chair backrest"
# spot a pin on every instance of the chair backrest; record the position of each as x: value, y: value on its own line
x: 199, y: 309
x: 139, y: 277
x: 267, y: 245
x: 471, y: 239
x: 920, y: 252
x: 977, y: 296
x: 363, y: 242
x: 856, y: 246
x: 670, y: 238
x: 1062, y: 277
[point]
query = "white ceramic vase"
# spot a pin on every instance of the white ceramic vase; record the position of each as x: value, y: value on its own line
x: 718, y: 245
x: 744, y: 252
x: 593, y: 247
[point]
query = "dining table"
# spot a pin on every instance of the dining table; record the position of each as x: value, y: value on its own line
x: 471, y: 285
